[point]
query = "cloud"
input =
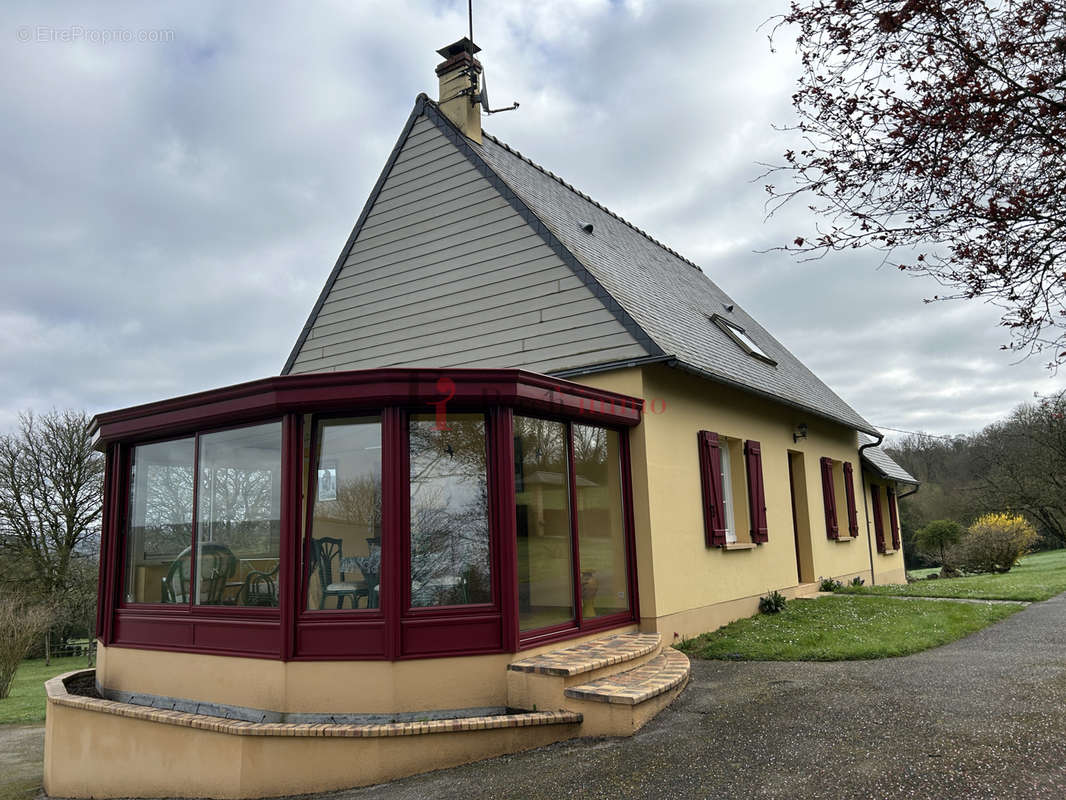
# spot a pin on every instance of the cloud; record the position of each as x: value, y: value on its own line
x: 172, y: 208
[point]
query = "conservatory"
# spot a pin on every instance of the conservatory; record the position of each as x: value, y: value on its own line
x: 376, y: 515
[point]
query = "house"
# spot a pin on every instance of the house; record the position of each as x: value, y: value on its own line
x: 519, y: 448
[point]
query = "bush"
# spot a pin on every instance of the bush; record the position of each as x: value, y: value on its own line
x: 857, y: 581
x: 829, y: 585
x: 994, y: 543
x: 938, y: 538
x: 772, y: 603
x: 21, y: 623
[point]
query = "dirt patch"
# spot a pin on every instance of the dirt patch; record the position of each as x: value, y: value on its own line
x: 21, y: 761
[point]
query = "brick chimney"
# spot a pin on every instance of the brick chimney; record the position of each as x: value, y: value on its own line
x: 460, y: 99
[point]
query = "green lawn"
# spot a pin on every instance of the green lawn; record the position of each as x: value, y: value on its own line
x: 1036, y: 577
x: 846, y: 628
x: 25, y: 703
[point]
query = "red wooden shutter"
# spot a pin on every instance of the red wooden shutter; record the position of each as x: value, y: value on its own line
x: 879, y: 525
x: 832, y: 530
x: 894, y: 517
x: 849, y: 491
x: 711, y: 482
x: 756, y: 492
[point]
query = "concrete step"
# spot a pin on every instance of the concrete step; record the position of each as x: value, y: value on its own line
x: 666, y: 671
x: 616, y: 683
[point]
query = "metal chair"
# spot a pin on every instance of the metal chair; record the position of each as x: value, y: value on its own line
x: 217, y: 565
x: 323, y: 553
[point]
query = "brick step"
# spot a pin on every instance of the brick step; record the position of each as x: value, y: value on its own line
x: 666, y: 671
x: 590, y: 656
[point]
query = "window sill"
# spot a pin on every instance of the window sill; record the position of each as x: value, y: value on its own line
x: 739, y: 546
x: 846, y: 539
x: 888, y: 553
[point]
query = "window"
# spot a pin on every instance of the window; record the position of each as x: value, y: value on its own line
x: 742, y: 338
x: 239, y: 516
x: 237, y: 531
x: 601, y: 531
x: 160, y: 529
x: 449, y: 511
x: 566, y: 517
x: 734, y: 500
x: 542, y: 517
x: 344, y: 547
x: 727, y: 491
x: 838, y: 481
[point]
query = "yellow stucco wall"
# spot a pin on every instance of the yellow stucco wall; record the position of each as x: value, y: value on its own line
x: 337, y: 687
x: 686, y: 587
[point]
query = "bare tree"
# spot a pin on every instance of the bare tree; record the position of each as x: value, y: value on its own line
x: 939, y: 130
x: 51, y: 496
x: 21, y: 622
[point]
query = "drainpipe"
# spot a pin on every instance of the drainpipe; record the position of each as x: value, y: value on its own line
x: 866, y: 506
x: 907, y: 494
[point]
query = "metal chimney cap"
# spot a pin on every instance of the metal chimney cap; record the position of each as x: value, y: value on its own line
x: 464, y: 45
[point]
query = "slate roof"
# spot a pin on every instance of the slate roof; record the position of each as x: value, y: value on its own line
x: 668, y: 296
x: 664, y: 300
x: 881, y: 463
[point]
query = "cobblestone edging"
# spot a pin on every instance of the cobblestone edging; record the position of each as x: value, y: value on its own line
x: 589, y: 656
x: 635, y: 686
x: 56, y: 689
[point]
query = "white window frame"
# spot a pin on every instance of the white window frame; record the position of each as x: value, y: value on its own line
x: 727, y: 492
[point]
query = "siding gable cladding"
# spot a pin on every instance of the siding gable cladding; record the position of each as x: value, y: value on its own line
x: 443, y: 271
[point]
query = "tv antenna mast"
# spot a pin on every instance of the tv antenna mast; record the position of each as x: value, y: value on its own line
x: 483, y: 94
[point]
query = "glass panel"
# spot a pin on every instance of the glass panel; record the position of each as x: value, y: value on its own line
x: 727, y: 492
x: 344, y: 564
x: 239, y: 516
x: 542, y: 512
x: 601, y: 533
x: 449, y: 512
x: 159, y: 538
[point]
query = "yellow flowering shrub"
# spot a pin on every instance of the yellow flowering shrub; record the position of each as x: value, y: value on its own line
x: 995, y: 542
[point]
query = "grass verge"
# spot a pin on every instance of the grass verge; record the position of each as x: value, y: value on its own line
x: 846, y: 628
x: 1036, y: 577
x: 25, y: 704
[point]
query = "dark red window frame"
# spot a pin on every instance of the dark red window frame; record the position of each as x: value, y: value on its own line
x: 243, y: 630
x: 579, y: 625
x: 394, y: 631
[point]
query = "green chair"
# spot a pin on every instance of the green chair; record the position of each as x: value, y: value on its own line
x: 323, y: 552
x: 217, y: 566
x: 259, y: 588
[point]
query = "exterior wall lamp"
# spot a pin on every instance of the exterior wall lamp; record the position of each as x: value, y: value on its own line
x: 800, y: 432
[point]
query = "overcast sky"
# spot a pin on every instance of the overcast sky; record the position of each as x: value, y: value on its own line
x: 173, y: 199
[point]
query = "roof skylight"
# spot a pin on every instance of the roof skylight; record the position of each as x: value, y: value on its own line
x: 741, y: 337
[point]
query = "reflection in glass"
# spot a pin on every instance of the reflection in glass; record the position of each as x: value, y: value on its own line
x: 159, y: 537
x: 344, y: 565
x: 449, y: 512
x: 601, y: 532
x: 239, y: 516
x: 542, y: 511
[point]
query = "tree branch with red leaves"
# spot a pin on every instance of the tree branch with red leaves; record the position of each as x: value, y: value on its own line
x: 936, y: 132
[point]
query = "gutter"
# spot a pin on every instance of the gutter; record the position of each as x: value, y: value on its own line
x: 866, y: 506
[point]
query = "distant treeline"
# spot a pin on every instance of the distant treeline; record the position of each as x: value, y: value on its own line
x: 1018, y: 464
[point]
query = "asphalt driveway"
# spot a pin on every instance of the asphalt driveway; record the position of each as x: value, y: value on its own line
x: 981, y: 718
